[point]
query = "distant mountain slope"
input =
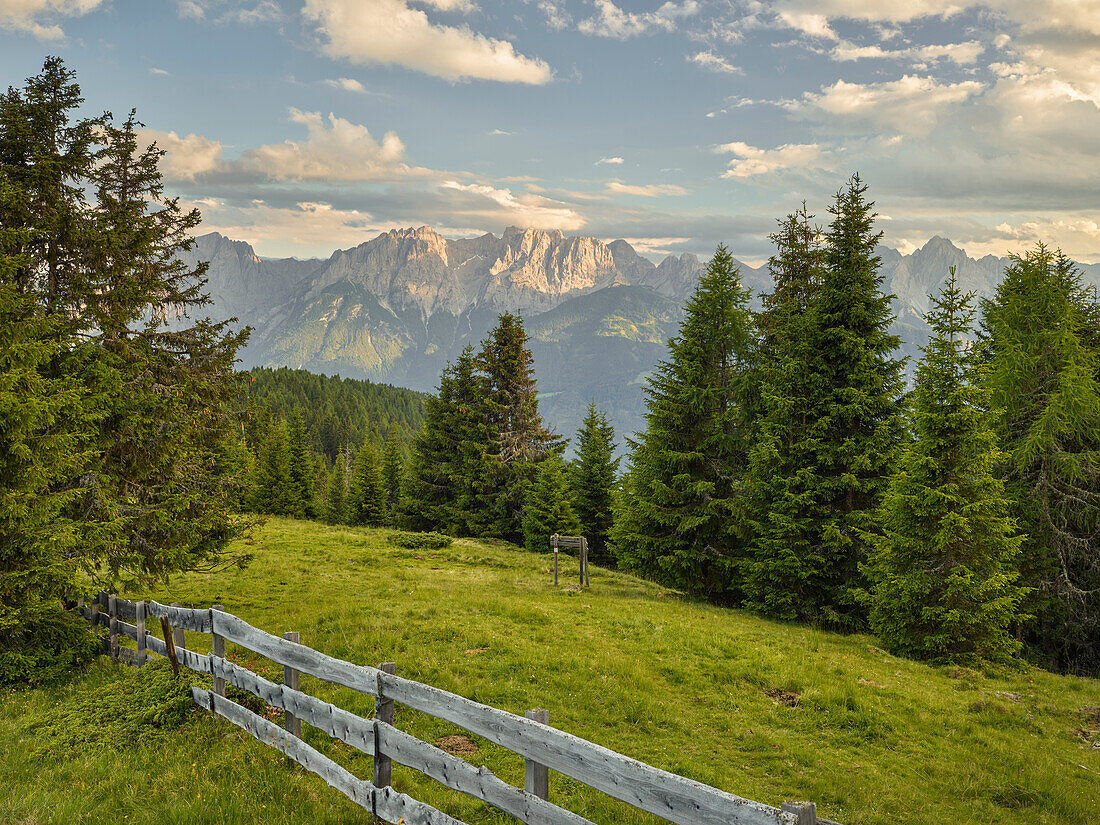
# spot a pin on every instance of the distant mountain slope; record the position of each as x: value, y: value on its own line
x: 397, y: 308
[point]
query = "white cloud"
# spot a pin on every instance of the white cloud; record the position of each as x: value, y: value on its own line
x: 611, y: 161
x: 307, y: 228
x: 338, y: 151
x: 1046, y: 73
x: 348, y: 84
x: 487, y: 203
x: 813, y: 25
x: 557, y: 18
x: 389, y: 32
x: 611, y: 21
x: 964, y: 54
x: 265, y: 11
x: 751, y: 161
x: 1032, y: 15
x: 251, y: 13
x: 652, y: 190
x: 500, y: 133
x: 38, y: 17
x: 185, y: 157
x: 910, y: 105
x: 464, y: 6
x: 157, y: 71
x: 714, y: 62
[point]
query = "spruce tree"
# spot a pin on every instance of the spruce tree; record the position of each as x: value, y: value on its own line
x: 514, y: 432
x: 683, y: 517
x: 444, y: 481
x: 547, y: 509
x: 1043, y: 377
x: 833, y: 417
x: 101, y: 256
x: 592, y: 481
x: 943, y: 569
x: 366, y: 501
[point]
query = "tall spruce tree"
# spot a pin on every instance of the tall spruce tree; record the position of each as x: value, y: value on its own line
x: 517, y: 439
x: 473, y: 469
x: 683, y: 516
x: 547, y: 509
x: 829, y: 446
x: 447, y: 478
x: 783, y: 478
x: 1043, y: 376
x: 366, y: 501
x: 102, y: 257
x: 943, y: 569
x: 429, y: 488
x: 592, y: 482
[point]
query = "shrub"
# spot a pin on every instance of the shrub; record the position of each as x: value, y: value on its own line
x: 421, y: 541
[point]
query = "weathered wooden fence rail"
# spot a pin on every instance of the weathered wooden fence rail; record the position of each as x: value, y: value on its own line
x: 667, y: 795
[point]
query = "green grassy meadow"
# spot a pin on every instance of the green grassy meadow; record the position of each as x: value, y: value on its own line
x: 765, y: 710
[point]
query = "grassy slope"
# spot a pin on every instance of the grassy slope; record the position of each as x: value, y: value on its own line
x: 681, y: 685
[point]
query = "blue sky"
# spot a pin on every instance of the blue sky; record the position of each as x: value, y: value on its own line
x: 306, y: 125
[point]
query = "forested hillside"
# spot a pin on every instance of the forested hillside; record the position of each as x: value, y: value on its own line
x: 338, y: 413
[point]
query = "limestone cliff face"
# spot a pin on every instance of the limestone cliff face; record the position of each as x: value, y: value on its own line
x: 524, y: 270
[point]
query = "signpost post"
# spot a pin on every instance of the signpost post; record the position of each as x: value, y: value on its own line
x: 581, y: 543
x: 554, y: 539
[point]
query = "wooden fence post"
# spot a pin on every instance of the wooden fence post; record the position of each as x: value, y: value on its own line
x: 219, y: 650
x: 112, y: 613
x: 140, y: 622
x: 584, y: 562
x: 293, y: 680
x: 383, y: 712
x: 805, y: 811
x: 93, y: 615
x: 178, y: 637
x: 536, y: 777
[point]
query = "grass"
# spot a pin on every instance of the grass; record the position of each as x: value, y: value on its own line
x: 765, y: 710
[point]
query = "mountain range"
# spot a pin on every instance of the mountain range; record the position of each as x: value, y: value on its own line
x: 397, y: 308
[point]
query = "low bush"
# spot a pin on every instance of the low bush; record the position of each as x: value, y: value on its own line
x: 421, y: 541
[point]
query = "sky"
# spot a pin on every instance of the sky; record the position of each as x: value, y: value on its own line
x: 302, y: 126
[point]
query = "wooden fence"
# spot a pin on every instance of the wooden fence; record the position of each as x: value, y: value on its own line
x: 543, y: 748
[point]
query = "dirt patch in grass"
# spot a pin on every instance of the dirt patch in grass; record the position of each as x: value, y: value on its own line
x: 457, y: 744
x: 783, y: 697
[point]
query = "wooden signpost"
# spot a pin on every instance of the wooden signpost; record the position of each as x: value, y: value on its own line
x: 579, y: 542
